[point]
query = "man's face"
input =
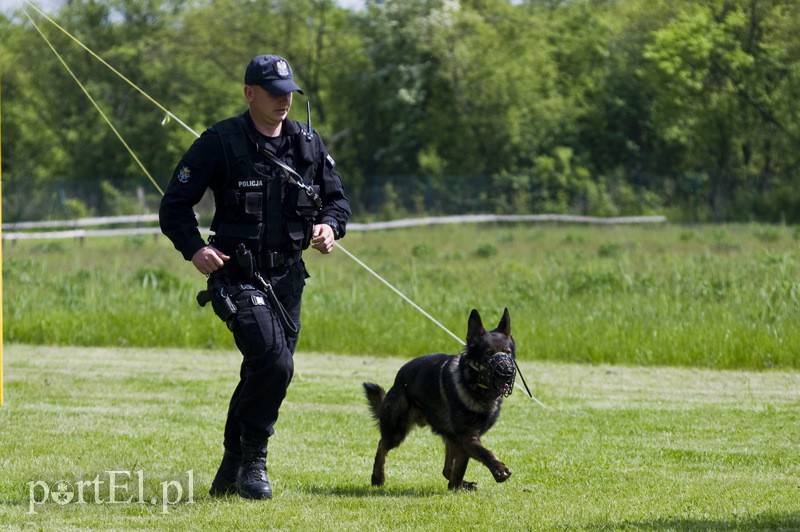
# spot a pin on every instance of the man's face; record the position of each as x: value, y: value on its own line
x: 265, y: 107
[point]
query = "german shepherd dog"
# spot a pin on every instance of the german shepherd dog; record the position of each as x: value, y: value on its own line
x: 459, y: 396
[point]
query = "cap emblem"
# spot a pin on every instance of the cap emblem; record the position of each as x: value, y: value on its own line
x: 282, y: 67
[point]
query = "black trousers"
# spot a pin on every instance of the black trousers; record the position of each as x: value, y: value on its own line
x: 267, y: 359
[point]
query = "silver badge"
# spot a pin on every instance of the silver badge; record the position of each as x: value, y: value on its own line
x: 283, y: 68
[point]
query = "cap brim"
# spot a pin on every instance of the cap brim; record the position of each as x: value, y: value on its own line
x: 280, y: 87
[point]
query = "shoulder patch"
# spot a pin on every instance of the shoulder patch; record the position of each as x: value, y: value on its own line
x: 330, y: 160
x: 184, y: 174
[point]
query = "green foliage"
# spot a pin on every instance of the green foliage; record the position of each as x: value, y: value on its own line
x: 709, y: 296
x: 391, y: 207
x: 115, y: 201
x: 73, y: 209
x: 715, y: 105
x: 485, y: 251
x: 604, y: 108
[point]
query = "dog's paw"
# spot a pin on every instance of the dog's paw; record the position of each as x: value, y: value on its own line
x: 377, y: 480
x: 501, y: 473
x: 463, y: 486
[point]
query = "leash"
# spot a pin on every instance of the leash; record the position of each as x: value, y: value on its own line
x: 424, y: 313
x: 169, y: 115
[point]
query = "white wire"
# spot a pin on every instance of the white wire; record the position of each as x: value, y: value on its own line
x: 399, y: 293
x: 420, y: 309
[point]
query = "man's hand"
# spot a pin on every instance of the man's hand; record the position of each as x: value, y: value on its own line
x: 322, y: 238
x: 209, y: 259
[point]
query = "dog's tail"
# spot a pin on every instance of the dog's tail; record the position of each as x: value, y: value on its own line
x: 374, y: 395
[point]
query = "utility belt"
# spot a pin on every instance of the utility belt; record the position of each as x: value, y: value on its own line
x: 276, y: 259
x: 245, y: 263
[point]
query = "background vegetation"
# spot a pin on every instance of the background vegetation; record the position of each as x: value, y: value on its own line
x: 591, y: 106
x: 713, y: 296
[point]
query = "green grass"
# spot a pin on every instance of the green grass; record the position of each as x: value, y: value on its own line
x: 618, y: 448
x: 626, y: 442
x: 707, y: 296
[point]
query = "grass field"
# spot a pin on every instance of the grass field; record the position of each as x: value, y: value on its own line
x: 708, y: 296
x: 667, y: 356
x: 618, y: 448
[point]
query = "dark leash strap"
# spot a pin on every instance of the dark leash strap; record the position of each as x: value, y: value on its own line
x: 277, y: 306
x: 527, y: 390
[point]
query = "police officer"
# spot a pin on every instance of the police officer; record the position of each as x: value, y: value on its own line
x: 276, y: 193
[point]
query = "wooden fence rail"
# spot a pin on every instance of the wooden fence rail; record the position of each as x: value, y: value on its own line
x: 143, y: 224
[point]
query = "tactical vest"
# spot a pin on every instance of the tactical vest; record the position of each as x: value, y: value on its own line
x: 257, y: 206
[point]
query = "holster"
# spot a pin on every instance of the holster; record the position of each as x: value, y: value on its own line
x: 227, y: 304
x: 221, y: 300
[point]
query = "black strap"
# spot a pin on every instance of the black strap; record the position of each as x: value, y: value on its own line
x: 288, y: 325
x: 235, y: 147
x: 293, y: 177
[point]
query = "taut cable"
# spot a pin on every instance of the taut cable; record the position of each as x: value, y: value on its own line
x: 94, y: 103
x: 114, y: 70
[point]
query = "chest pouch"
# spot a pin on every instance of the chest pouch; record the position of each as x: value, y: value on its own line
x: 244, y: 207
x: 242, y: 223
x: 302, y: 201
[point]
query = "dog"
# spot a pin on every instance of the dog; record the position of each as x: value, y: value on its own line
x: 458, y: 396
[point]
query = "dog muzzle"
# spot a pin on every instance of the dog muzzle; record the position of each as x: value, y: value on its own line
x: 498, y: 373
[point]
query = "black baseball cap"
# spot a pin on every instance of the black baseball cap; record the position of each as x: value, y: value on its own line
x: 272, y: 73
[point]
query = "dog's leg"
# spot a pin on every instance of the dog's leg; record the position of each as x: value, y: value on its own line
x: 396, y: 420
x: 460, y: 461
x: 388, y: 442
x: 475, y: 449
x: 449, y: 457
x: 378, y: 476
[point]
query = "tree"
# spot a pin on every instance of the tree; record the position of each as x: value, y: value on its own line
x: 601, y: 106
x: 721, y: 105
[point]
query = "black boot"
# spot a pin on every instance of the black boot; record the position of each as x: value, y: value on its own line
x: 252, y: 481
x: 225, y: 480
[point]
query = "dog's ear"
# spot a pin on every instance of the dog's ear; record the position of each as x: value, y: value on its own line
x: 504, y: 327
x: 474, y: 326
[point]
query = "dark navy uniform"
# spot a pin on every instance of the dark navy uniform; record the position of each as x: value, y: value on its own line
x: 204, y: 166
x: 256, y: 207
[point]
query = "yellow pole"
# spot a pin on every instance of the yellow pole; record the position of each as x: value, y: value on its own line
x: 1, y: 246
